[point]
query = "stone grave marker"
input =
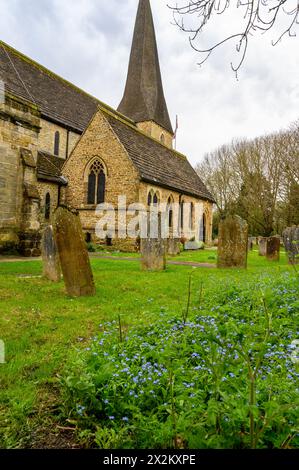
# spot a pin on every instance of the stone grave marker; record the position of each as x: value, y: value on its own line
x: 273, y: 248
x: 291, y: 243
x: 153, y: 248
x: 73, y: 254
x: 173, y: 246
x: 233, y: 243
x: 262, y: 246
x: 50, y: 256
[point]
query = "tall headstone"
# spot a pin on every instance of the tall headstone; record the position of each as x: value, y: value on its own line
x: 50, y: 256
x: 73, y: 254
x: 262, y: 246
x: 153, y: 248
x: 291, y: 243
x: 273, y: 248
x: 233, y: 243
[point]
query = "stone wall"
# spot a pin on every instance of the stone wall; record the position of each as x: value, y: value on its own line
x: 156, y: 132
x: 47, y: 138
x: 44, y: 188
x: 19, y: 129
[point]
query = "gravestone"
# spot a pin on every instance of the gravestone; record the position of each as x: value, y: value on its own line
x: 262, y: 246
x: 250, y: 244
x: 153, y: 248
x: 291, y: 243
x: 50, y: 256
x: 73, y: 253
x: 233, y: 243
x: 173, y: 246
x: 273, y: 248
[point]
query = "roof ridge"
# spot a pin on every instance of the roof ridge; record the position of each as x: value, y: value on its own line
x: 54, y: 75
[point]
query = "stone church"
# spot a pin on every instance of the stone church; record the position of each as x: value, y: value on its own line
x: 59, y: 145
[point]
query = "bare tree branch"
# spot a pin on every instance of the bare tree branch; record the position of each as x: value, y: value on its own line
x: 257, y: 15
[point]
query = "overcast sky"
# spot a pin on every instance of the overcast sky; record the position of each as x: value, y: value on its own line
x: 88, y: 42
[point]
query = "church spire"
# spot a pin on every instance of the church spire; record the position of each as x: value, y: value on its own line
x: 143, y: 99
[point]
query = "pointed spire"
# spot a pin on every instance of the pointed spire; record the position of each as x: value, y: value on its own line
x: 143, y: 98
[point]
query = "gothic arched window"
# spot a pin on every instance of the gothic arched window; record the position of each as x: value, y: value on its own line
x: 47, y: 206
x: 96, y: 183
x: 162, y: 139
x: 56, y: 143
x: 170, y: 212
x: 150, y: 198
x: 156, y: 199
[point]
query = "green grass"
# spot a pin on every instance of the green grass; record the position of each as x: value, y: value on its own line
x: 40, y: 324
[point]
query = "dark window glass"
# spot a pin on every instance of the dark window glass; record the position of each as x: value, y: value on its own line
x: 101, y: 187
x: 91, y: 188
x: 149, y: 199
x: 182, y: 215
x: 47, y: 206
x: 56, y: 143
x: 156, y: 200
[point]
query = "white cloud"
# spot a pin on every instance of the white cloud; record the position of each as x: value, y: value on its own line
x: 88, y: 42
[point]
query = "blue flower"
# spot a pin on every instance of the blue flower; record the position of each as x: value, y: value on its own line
x: 111, y: 418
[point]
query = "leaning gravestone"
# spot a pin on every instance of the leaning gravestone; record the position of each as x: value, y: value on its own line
x: 153, y: 248
x: 262, y: 246
x: 273, y: 248
x: 73, y: 254
x: 50, y: 256
x: 291, y: 243
x: 233, y: 243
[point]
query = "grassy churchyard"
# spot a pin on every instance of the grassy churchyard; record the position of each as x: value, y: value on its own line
x: 149, y: 362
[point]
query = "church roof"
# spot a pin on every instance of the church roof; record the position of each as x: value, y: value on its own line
x: 143, y: 98
x: 156, y: 163
x: 49, y: 168
x: 57, y: 99
x: 67, y: 105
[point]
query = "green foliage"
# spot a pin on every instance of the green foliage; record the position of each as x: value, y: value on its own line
x: 222, y: 378
x: 91, y: 248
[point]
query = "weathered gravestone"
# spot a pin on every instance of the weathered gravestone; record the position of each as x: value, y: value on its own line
x: 273, y: 248
x: 291, y: 243
x: 262, y: 246
x: 173, y: 246
x: 50, y: 256
x: 233, y: 243
x: 153, y: 248
x: 73, y: 254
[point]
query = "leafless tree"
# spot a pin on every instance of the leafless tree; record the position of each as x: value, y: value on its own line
x: 257, y: 179
x: 192, y: 17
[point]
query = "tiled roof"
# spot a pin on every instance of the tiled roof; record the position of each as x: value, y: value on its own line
x: 66, y: 104
x: 49, y: 168
x: 57, y: 99
x: 157, y: 163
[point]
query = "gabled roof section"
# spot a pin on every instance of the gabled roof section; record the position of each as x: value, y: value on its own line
x: 156, y: 163
x: 143, y: 98
x: 49, y: 168
x: 57, y: 99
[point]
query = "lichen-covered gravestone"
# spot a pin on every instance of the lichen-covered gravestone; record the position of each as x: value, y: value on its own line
x: 273, y: 248
x: 291, y: 243
x: 233, y: 243
x: 173, y: 246
x: 262, y: 246
x: 153, y: 248
x: 50, y: 256
x: 73, y: 253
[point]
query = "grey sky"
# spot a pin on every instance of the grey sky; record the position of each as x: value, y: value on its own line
x: 88, y: 42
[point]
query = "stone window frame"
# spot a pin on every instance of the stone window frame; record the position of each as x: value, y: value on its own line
x: 152, y: 196
x: 170, y: 202
x: 87, y: 169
